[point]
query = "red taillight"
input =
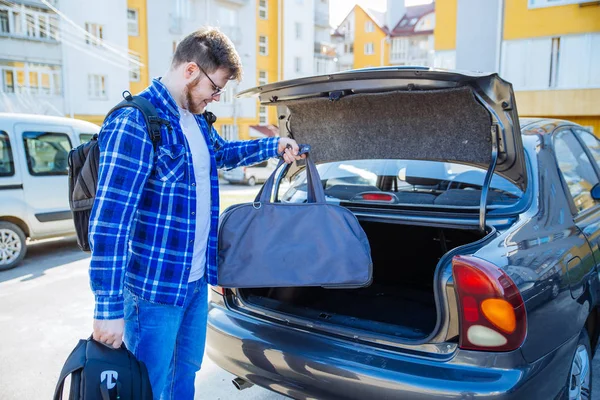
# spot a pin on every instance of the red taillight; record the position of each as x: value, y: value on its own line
x: 377, y: 197
x: 492, y: 313
x: 218, y: 289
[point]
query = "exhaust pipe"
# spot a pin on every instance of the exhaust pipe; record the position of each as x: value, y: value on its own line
x: 241, y: 384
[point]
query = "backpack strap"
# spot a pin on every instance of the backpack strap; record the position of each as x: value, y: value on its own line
x: 75, y: 362
x: 210, y: 119
x: 153, y: 121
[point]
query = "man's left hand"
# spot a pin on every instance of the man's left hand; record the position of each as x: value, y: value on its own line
x: 288, y: 149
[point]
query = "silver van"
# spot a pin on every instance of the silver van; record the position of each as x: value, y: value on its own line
x: 34, y: 179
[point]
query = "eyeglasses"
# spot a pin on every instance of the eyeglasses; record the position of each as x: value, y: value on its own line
x: 217, y: 90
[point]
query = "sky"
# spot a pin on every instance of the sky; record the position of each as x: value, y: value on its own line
x: 338, y: 9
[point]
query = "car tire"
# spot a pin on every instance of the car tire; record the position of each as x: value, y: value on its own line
x: 12, y: 245
x: 579, y: 387
x: 251, y: 181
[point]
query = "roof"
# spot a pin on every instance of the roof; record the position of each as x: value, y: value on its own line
x: 406, y: 25
x: 47, y: 119
x: 266, y: 130
x: 376, y: 16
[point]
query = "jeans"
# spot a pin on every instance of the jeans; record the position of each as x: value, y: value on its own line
x: 169, y: 340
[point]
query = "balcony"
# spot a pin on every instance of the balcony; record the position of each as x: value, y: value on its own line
x: 24, y: 23
x: 322, y: 20
x: 238, y: 3
x: 324, y: 49
x: 32, y: 104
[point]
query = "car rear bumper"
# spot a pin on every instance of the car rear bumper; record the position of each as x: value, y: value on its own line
x: 303, y: 364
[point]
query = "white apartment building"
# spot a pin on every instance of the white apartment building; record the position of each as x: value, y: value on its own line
x: 31, y: 71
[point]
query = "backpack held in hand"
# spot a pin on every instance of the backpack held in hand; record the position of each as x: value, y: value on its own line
x: 103, y: 373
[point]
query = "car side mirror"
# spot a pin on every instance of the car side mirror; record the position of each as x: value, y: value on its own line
x: 595, y: 192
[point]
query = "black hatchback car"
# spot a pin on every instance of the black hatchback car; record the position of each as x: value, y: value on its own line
x: 484, y: 232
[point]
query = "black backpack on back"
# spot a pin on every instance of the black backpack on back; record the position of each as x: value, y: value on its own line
x: 99, y: 372
x: 84, y: 161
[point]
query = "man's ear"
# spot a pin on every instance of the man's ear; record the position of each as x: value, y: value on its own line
x: 189, y: 69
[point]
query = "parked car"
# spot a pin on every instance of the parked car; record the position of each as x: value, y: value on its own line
x: 33, y: 179
x: 484, y: 232
x: 252, y: 174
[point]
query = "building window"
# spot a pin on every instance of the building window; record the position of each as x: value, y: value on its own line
x: 263, y: 78
x: 135, y: 69
x: 95, y: 34
x: 555, y: 51
x: 369, y: 48
x: 263, y: 45
x: 228, y: 132
x: 27, y: 23
x: 298, y: 30
x: 263, y: 9
x: 97, y: 87
x: 369, y: 27
x: 263, y: 115
x: 4, y: 26
x: 399, y: 49
x: 349, y: 48
x: 7, y: 166
x: 132, y: 22
x: 39, y: 79
x: 47, y: 152
x: 552, y: 3
x: 298, y: 64
x: 227, y: 95
x: 181, y: 9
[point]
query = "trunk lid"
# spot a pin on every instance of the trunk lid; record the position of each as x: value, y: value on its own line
x: 404, y: 113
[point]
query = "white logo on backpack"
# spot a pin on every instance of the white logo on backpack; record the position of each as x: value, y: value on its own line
x: 110, y: 377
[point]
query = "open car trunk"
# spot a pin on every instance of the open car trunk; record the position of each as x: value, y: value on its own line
x: 400, y: 302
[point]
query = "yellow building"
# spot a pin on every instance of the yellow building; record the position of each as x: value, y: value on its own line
x: 362, y: 40
x: 268, y: 59
x: 138, y: 44
x: 548, y: 49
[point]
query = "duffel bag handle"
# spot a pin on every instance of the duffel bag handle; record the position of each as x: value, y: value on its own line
x: 314, y: 187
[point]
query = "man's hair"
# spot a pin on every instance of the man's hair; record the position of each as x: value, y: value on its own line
x: 210, y: 49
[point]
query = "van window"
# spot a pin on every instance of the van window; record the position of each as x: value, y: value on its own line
x: 263, y: 164
x: 46, y: 152
x: 85, y: 137
x: 7, y: 166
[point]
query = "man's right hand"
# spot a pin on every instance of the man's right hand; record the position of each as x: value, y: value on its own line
x: 109, y: 331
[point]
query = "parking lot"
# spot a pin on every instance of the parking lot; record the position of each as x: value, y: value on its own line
x: 46, y: 306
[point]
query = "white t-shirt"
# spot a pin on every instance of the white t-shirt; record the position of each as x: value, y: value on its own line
x: 201, y: 162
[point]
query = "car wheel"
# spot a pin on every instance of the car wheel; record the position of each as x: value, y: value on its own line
x: 12, y: 245
x: 580, y: 376
x: 251, y: 181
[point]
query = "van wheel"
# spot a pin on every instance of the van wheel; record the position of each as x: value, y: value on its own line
x: 12, y: 245
x: 580, y: 376
x: 251, y: 181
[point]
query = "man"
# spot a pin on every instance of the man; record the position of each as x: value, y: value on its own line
x: 153, y: 228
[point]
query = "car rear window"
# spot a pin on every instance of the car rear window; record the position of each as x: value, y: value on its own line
x: 7, y: 167
x: 401, y: 182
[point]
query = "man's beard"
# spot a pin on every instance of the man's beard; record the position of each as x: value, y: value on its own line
x: 194, y: 108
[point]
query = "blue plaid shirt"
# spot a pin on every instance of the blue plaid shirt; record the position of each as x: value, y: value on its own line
x: 143, y: 222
